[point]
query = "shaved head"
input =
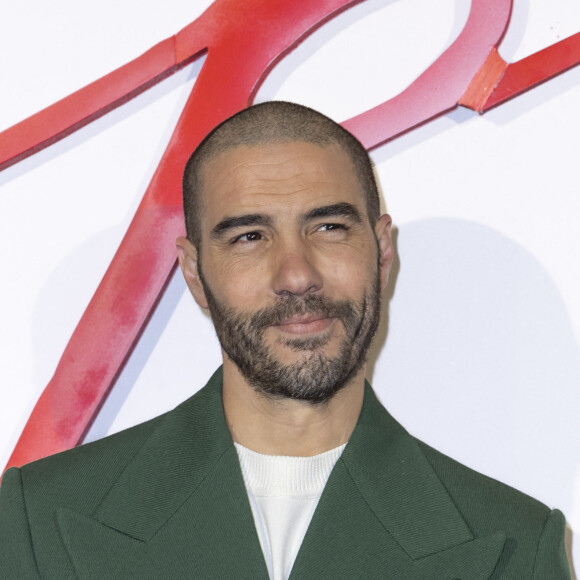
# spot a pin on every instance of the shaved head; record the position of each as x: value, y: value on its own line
x: 272, y: 122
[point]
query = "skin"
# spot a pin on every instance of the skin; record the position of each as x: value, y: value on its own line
x: 261, y: 239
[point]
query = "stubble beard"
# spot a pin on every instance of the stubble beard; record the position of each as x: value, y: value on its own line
x: 314, y: 377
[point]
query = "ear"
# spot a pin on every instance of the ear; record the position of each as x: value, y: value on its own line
x: 187, y: 256
x: 386, y: 251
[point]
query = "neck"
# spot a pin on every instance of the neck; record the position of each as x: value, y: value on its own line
x: 287, y: 426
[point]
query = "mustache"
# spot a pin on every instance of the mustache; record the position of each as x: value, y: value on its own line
x: 292, y: 305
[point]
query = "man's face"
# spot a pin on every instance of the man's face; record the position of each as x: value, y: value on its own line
x: 289, y: 266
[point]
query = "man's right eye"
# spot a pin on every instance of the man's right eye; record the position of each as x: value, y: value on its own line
x: 247, y: 237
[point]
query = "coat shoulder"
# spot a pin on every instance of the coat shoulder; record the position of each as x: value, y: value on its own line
x: 81, y: 476
x: 477, y: 492
x: 535, y: 533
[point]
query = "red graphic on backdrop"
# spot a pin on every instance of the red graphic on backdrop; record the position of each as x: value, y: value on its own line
x: 243, y: 40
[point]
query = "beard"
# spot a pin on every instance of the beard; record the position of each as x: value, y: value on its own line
x: 314, y: 377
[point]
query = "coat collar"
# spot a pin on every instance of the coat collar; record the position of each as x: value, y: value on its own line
x: 184, y: 492
x: 171, y: 465
x: 387, y: 504
x: 396, y: 480
x: 178, y: 510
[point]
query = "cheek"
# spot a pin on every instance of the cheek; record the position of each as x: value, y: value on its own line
x: 240, y: 284
x: 350, y: 273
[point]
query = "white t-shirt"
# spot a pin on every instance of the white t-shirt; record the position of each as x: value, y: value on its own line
x: 284, y: 492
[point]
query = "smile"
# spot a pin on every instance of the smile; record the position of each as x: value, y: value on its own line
x: 305, y: 324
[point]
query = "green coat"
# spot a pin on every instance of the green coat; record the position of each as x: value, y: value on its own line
x: 166, y: 500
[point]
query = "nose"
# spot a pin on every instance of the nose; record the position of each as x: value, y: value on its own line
x: 294, y: 270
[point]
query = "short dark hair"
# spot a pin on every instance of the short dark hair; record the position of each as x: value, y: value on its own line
x: 273, y: 122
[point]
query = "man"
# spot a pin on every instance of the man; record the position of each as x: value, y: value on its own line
x: 285, y: 464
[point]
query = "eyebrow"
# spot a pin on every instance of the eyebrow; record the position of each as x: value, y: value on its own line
x: 230, y: 223
x: 342, y: 209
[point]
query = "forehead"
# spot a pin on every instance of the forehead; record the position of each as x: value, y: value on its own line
x: 287, y: 178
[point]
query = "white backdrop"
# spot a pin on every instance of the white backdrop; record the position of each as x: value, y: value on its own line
x: 481, y: 358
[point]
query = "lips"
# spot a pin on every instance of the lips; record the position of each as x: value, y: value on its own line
x: 305, y: 324
x: 303, y: 315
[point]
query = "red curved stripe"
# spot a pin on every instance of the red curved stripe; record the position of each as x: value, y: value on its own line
x: 440, y: 87
x: 537, y: 68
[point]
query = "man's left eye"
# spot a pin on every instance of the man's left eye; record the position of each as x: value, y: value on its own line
x: 331, y: 227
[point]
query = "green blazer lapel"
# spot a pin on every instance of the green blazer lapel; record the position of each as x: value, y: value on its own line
x: 385, y: 514
x: 178, y: 503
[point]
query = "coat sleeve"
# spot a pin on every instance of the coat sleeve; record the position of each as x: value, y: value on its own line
x: 17, y: 561
x: 551, y: 562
